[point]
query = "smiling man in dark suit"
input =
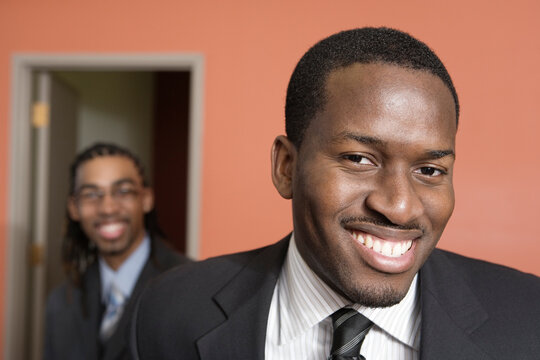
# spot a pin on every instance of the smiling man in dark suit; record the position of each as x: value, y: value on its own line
x: 371, y: 121
x: 111, y: 249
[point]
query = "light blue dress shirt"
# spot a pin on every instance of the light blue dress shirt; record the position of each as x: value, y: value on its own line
x: 127, y: 274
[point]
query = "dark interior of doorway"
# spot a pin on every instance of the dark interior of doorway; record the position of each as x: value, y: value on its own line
x: 146, y: 111
x: 108, y: 112
x: 170, y: 153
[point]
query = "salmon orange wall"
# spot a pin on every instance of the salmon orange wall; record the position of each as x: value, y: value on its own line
x: 490, y: 47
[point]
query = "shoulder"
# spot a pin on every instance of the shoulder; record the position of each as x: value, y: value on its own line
x: 179, y: 306
x: 165, y: 256
x: 191, y: 287
x: 485, y: 274
x: 489, y: 303
x: 206, y: 277
x: 63, y: 307
x: 500, y: 289
x: 67, y: 297
x: 62, y: 296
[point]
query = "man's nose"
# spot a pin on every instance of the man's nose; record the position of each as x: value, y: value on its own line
x: 108, y: 204
x: 395, y: 197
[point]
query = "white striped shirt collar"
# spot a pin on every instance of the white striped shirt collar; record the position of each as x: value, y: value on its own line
x: 305, y: 300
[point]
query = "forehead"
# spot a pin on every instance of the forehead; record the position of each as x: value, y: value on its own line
x: 386, y: 101
x: 105, y: 170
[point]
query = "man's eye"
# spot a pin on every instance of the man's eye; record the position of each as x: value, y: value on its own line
x: 125, y: 191
x: 430, y: 171
x: 90, y: 195
x: 359, y: 159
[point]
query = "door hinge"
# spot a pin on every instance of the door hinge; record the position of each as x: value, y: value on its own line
x: 40, y: 114
x: 35, y: 254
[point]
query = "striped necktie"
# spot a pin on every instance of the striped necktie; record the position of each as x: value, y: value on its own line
x: 350, y: 329
x: 115, y: 308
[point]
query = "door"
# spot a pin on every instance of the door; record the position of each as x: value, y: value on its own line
x: 40, y: 155
x: 55, y: 137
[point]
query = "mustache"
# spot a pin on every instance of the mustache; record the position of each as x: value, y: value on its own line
x: 383, y: 222
x: 102, y: 218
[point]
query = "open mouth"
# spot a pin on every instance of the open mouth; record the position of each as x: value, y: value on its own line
x: 111, y: 230
x: 389, y: 251
x: 381, y: 246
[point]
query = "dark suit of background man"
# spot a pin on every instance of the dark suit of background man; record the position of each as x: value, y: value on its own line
x: 371, y: 121
x: 111, y: 249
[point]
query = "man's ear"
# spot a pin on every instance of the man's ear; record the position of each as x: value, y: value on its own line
x: 283, y: 164
x: 148, y: 199
x: 72, y: 209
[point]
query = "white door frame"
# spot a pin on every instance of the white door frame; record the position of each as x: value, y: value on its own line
x: 19, y: 194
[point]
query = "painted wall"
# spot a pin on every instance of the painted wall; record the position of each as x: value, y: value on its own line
x: 491, y: 49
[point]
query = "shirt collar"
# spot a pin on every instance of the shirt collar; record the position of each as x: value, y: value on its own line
x: 308, y: 300
x: 127, y: 274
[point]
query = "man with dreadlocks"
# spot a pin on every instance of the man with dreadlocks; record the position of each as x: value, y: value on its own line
x: 111, y: 249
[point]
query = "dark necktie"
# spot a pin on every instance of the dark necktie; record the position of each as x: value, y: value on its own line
x: 350, y: 329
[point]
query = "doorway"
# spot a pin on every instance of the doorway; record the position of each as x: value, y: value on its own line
x: 151, y: 104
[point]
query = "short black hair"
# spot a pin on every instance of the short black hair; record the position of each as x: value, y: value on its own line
x: 306, y: 94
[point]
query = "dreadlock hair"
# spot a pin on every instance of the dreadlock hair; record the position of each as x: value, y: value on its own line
x: 78, y: 252
x: 306, y: 94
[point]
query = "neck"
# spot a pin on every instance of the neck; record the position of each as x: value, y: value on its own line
x: 115, y: 260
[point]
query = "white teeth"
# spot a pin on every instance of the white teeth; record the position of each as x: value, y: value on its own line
x: 387, y: 249
x: 369, y: 241
x: 377, y: 246
x: 111, y: 227
x: 397, y: 250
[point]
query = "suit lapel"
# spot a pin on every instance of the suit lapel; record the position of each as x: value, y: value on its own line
x: 90, y: 323
x: 450, y: 312
x: 245, y: 302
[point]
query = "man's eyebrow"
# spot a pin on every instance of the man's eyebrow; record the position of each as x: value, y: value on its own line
x: 86, y: 186
x: 124, y: 181
x: 116, y: 183
x: 438, y: 154
x: 363, y: 139
x: 372, y: 140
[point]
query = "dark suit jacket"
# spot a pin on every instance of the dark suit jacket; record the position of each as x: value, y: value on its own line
x: 69, y: 334
x: 218, y: 309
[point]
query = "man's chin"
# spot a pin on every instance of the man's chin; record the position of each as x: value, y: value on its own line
x: 376, y: 297
x: 109, y: 253
x: 113, y: 251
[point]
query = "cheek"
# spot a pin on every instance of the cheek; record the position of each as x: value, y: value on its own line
x: 439, y: 208
x: 136, y: 213
x: 88, y: 228
x: 86, y: 217
x: 328, y: 192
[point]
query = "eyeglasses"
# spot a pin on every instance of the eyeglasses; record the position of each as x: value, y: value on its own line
x: 124, y: 193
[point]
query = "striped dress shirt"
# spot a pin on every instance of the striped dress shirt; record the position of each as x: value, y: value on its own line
x: 299, y: 324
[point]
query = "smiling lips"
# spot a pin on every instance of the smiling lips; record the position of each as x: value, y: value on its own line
x: 384, y: 247
x: 111, y: 230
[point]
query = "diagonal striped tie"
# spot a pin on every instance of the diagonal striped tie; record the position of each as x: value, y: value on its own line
x: 350, y: 329
x: 113, y: 313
